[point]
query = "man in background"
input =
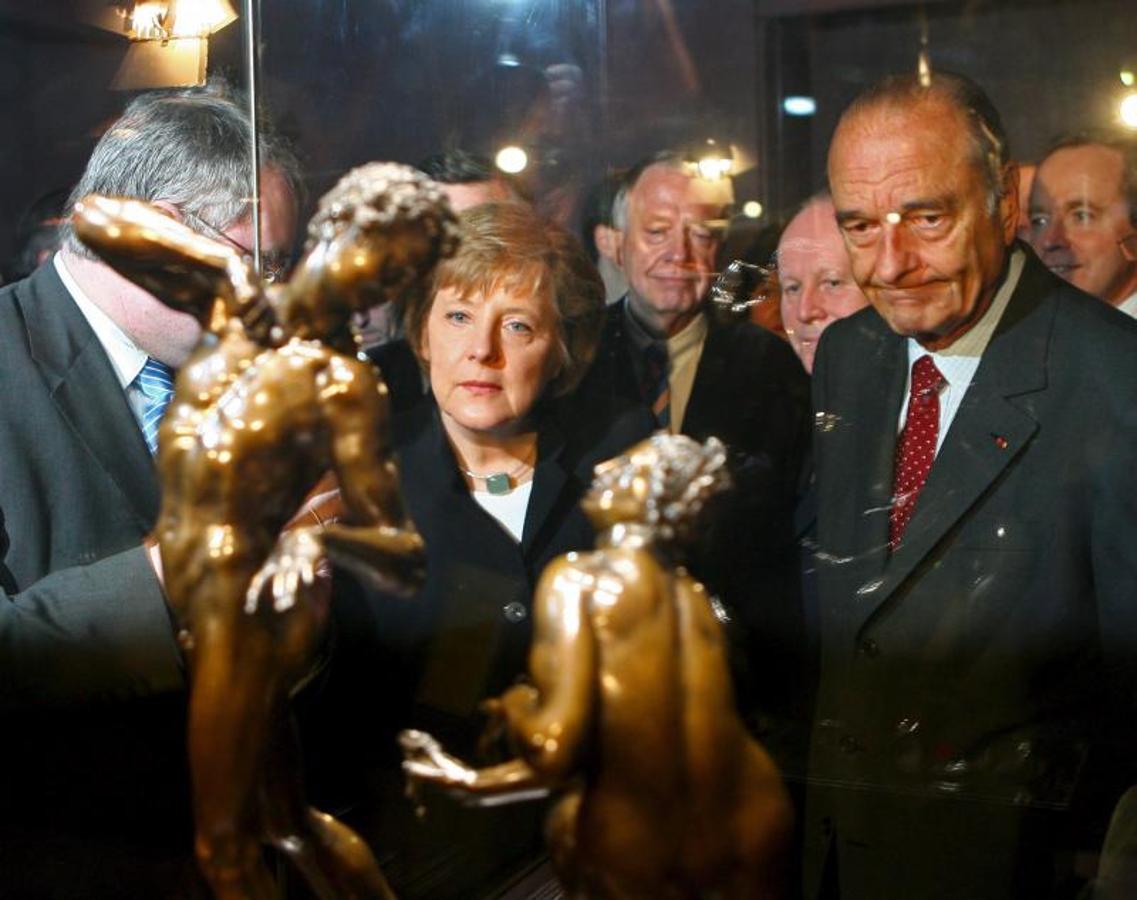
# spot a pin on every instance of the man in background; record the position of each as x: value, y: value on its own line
x: 666, y: 363
x: 90, y: 677
x: 1083, y: 206
x: 815, y: 277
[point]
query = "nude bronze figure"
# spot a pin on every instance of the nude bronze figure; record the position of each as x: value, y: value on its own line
x: 630, y: 715
x: 275, y: 396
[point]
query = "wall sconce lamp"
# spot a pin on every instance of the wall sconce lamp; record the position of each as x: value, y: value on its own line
x: 169, y: 39
x: 166, y: 20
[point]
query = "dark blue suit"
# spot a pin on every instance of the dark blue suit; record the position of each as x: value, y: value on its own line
x: 975, y: 710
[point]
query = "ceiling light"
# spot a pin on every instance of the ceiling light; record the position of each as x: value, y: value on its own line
x: 799, y: 106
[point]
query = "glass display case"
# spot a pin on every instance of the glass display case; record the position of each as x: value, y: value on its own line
x: 951, y: 711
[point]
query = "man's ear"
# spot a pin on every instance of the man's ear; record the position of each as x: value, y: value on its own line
x: 168, y: 208
x: 608, y: 241
x: 1009, y: 201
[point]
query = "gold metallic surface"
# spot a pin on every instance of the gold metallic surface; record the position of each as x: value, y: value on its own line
x: 630, y: 717
x: 275, y: 396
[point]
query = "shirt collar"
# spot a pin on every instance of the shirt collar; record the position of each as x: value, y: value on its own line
x: 125, y: 357
x: 1129, y: 305
x: 974, y: 341
x: 690, y: 337
x: 692, y: 334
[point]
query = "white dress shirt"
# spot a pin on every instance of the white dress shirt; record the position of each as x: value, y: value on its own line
x: 959, y: 361
x: 125, y: 357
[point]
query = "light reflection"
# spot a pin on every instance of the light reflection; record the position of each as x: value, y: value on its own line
x: 1128, y: 110
x: 512, y: 160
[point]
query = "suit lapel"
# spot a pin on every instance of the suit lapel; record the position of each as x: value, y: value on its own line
x: 86, y: 391
x: 989, y: 431
x: 548, y: 481
x: 885, y: 372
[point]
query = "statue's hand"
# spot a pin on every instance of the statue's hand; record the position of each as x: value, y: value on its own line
x: 289, y: 598
x: 425, y: 760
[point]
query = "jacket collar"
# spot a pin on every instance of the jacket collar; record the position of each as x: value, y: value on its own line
x: 86, y: 390
x: 428, y: 462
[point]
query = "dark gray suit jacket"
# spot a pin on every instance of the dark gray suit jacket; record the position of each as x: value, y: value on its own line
x: 751, y: 392
x: 91, y: 709
x: 82, y: 615
x: 974, y: 716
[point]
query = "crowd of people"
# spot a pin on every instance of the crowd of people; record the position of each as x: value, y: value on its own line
x: 924, y: 568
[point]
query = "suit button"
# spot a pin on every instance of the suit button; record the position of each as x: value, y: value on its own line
x: 514, y: 612
x: 868, y: 649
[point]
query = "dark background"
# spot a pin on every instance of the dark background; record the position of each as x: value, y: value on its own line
x: 583, y: 84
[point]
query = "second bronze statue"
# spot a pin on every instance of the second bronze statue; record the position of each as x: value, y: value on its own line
x: 630, y: 716
x: 274, y: 397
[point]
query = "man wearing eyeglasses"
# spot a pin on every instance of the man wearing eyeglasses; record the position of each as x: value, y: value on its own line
x: 1083, y: 216
x: 91, y: 688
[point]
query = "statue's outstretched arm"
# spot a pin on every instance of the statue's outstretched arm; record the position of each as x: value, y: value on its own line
x: 185, y: 270
x: 374, y: 538
x: 549, y: 721
x: 424, y: 760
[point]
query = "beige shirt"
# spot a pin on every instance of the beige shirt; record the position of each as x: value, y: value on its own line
x: 683, y: 353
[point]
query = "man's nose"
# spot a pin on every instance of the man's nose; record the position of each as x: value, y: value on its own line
x: 1052, y: 236
x: 679, y: 244
x: 895, y: 255
x: 809, y: 308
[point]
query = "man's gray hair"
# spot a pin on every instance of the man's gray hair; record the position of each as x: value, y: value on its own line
x: 989, y: 144
x: 190, y: 149
x: 670, y: 159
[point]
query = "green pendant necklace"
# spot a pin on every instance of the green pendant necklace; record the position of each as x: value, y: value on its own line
x: 497, y: 483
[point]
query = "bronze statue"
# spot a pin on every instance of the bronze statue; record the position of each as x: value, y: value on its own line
x: 631, y: 712
x: 275, y: 395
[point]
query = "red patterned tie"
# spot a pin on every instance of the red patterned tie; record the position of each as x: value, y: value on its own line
x: 916, y: 447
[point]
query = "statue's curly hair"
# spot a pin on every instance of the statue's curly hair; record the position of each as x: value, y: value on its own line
x: 685, y: 475
x: 380, y: 195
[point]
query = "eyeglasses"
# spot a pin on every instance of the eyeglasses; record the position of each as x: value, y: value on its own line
x: 274, y: 266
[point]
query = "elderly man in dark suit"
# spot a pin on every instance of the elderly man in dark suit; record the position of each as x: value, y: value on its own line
x: 976, y: 475
x: 667, y: 361
x: 90, y: 678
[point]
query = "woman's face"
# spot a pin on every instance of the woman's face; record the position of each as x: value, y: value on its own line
x: 490, y: 357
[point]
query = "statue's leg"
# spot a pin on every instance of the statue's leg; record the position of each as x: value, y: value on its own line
x: 762, y: 827
x: 561, y: 837
x: 230, y: 709
x: 335, y: 861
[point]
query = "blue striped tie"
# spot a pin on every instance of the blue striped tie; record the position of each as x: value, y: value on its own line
x: 156, y: 381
